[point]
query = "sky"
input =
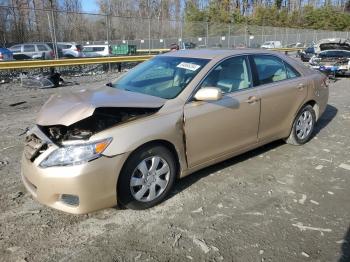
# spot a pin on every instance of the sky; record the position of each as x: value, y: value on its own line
x: 89, y: 6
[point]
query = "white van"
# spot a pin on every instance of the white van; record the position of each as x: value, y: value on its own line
x: 271, y: 44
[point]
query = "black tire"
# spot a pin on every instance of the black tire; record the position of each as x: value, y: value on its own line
x: 124, y: 190
x: 295, y: 137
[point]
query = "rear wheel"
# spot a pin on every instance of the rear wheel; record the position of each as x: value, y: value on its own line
x: 146, y: 178
x: 303, y: 126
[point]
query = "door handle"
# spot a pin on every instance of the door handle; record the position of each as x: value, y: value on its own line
x: 252, y: 99
x: 301, y: 86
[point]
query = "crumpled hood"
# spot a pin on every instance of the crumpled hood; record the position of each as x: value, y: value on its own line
x: 69, y: 108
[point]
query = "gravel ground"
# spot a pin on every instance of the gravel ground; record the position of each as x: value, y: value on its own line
x: 276, y: 203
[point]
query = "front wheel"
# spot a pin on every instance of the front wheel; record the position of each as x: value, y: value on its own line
x: 303, y: 126
x: 147, y: 177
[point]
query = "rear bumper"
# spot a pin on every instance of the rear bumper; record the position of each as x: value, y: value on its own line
x: 93, y: 183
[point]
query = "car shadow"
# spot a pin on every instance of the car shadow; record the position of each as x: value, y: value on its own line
x: 345, y: 248
x: 187, y: 181
x: 325, y: 119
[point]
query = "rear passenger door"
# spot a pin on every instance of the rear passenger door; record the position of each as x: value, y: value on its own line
x: 282, y: 90
x: 29, y: 50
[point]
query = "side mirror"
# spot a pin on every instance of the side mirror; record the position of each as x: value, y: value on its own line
x: 208, y: 94
x: 109, y: 84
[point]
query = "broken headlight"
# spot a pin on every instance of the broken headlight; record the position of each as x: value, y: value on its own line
x: 76, y: 154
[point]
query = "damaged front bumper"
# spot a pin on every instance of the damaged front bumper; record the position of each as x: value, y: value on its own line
x: 74, y: 189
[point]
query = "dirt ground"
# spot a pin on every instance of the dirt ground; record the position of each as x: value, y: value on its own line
x: 276, y: 203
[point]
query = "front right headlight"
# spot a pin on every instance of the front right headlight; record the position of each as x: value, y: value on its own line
x: 76, y: 154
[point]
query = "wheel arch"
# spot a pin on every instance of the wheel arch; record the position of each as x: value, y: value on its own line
x: 315, y: 106
x: 159, y: 142
x: 312, y: 103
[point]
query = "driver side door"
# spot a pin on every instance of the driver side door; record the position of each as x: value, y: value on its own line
x: 214, y: 129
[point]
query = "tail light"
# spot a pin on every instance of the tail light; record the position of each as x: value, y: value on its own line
x: 1, y: 56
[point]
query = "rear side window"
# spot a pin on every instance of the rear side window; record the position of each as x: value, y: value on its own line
x: 270, y: 69
x: 42, y: 47
x: 63, y: 46
x: 291, y: 72
x: 28, y: 48
x: 97, y: 49
x: 15, y: 48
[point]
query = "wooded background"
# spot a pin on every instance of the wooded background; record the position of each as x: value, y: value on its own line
x: 146, y: 20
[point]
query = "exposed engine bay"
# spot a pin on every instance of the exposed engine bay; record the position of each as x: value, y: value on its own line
x: 102, y: 118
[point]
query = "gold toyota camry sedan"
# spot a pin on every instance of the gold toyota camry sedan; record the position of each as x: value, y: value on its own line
x: 129, y: 141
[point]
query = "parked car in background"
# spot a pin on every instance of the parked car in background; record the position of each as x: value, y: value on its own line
x: 70, y: 49
x: 271, y: 44
x: 334, y: 60
x: 307, y: 53
x: 295, y: 45
x: 59, y: 50
x: 5, y: 54
x: 96, y: 50
x: 188, y: 45
x: 128, y: 142
x: 332, y: 44
x: 34, y: 51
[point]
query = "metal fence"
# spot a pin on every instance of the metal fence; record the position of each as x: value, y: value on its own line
x: 29, y: 25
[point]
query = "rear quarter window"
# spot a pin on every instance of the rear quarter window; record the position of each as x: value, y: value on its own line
x: 269, y: 68
x: 291, y: 71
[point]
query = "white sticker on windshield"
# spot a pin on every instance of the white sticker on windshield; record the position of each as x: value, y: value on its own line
x: 188, y: 66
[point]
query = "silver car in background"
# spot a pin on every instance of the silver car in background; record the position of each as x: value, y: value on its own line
x: 34, y: 51
x: 70, y: 49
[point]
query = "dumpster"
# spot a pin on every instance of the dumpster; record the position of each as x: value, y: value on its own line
x: 124, y: 49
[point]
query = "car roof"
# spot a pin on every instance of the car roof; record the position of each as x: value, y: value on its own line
x: 216, y: 53
x: 95, y: 45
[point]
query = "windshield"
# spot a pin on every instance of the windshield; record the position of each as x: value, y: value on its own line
x: 162, y: 76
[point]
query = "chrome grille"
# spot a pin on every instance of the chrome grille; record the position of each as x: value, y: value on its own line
x: 33, y: 147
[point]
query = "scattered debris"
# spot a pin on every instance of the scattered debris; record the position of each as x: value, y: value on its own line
x: 24, y: 131
x: 345, y: 166
x: 341, y: 241
x: 214, y: 248
x: 261, y: 251
x: 17, y: 195
x: 314, y: 202
x: 305, y: 254
x: 302, y: 199
x: 200, y: 243
x: 330, y: 192
x: 303, y: 228
x: 326, y: 150
x: 319, y: 167
x: 220, y: 205
x: 199, y: 210
x: 254, y: 213
x: 8, y: 147
x: 189, y: 257
x: 13, y: 249
x: 18, y: 103
x: 4, y: 162
x: 176, y: 241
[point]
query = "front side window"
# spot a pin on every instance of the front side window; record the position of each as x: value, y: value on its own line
x: 42, y: 47
x: 230, y: 75
x: 270, y: 69
x: 29, y: 48
x: 162, y: 76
